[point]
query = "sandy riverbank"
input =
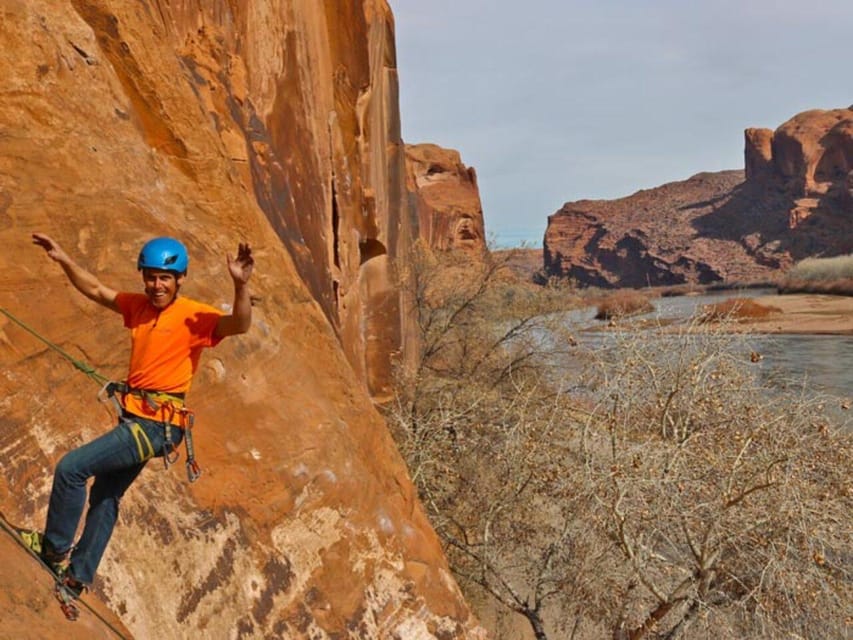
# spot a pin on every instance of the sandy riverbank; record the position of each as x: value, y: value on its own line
x: 805, y: 313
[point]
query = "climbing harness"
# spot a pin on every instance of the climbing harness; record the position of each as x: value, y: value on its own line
x: 143, y: 444
x: 173, y: 403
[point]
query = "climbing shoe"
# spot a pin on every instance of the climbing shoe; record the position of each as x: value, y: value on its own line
x: 35, y: 542
x: 32, y: 539
x: 57, y: 564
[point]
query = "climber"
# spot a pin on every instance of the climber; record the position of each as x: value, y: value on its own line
x: 168, y: 333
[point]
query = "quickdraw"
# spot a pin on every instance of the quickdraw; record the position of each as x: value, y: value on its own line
x: 187, y: 418
x: 193, y: 469
x: 157, y: 400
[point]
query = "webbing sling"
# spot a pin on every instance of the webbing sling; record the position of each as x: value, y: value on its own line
x: 143, y: 444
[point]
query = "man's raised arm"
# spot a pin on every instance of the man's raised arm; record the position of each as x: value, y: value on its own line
x: 83, y: 281
x: 240, y: 319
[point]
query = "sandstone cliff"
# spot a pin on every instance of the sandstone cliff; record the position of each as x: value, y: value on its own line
x: 794, y: 201
x: 450, y: 215
x: 271, y: 122
x: 809, y: 159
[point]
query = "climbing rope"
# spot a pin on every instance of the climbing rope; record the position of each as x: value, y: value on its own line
x: 88, y: 369
x: 7, y: 528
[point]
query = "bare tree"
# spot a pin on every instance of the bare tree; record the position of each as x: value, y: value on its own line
x: 729, y: 503
x: 479, y: 431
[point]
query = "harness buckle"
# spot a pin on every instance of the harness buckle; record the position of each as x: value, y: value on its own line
x: 149, y: 401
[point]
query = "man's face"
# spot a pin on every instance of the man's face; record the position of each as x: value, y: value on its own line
x: 161, y: 287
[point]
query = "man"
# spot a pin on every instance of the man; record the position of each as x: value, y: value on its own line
x: 168, y: 333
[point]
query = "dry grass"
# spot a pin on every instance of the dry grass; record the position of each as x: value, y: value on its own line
x: 820, y: 275
x: 838, y: 287
x: 622, y: 303
x: 837, y: 268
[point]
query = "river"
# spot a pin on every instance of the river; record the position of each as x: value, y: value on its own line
x: 822, y: 363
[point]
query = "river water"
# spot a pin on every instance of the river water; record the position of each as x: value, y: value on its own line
x: 821, y: 363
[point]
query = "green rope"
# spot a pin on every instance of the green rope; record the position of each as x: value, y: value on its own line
x: 12, y: 531
x: 88, y: 369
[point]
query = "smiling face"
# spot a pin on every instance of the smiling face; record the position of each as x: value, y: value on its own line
x: 161, y: 287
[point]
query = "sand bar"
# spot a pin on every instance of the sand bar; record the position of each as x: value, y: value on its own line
x: 806, y: 313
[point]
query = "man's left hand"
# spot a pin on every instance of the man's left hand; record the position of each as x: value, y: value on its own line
x: 241, y: 266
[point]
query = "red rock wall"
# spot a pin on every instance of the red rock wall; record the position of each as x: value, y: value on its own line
x: 811, y: 159
x: 813, y: 149
x: 450, y: 215
x: 273, y: 122
x: 650, y: 238
x: 758, y: 154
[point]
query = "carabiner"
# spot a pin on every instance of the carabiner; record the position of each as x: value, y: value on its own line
x: 193, y: 470
x: 170, y: 454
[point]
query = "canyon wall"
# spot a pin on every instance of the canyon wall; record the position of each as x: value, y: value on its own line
x: 793, y: 200
x: 447, y: 199
x: 274, y: 123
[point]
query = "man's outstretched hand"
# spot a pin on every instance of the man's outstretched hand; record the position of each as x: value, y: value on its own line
x: 51, y: 247
x: 241, y: 266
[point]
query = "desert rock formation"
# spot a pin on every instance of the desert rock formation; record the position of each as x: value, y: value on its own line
x: 450, y: 215
x: 810, y: 159
x: 794, y: 200
x: 648, y: 238
x: 271, y: 122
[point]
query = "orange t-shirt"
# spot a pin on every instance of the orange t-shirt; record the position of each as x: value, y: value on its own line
x: 165, y: 347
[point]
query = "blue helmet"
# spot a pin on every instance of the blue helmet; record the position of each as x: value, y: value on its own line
x: 166, y: 254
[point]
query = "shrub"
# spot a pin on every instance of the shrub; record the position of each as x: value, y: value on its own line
x: 719, y: 501
x: 839, y: 287
x: 736, y: 309
x: 835, y: 268
x: 625, y: 302
x: 820, y: 275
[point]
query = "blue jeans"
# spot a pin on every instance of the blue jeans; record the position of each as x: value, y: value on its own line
x: 114, y: 459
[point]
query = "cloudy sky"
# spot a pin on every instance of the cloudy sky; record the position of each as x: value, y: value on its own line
x: 558, y: 100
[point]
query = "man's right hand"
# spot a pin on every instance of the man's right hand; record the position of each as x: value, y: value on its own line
x: 51, y: 247
x: 83, y: 281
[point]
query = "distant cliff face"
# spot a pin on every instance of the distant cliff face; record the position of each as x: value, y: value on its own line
x: 272, y: 122
x: 450, y: 215
x: 796, y: 200
x: 648, y: 238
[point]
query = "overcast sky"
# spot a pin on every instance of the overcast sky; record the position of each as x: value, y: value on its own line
x: 559, y: 100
